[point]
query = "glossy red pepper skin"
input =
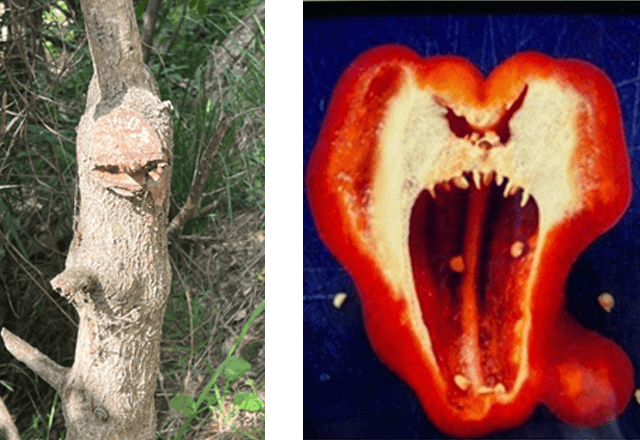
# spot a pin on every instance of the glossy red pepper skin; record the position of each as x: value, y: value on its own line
x: 462, y: 290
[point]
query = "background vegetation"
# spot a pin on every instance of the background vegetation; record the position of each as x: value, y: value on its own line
x: 212, y: 363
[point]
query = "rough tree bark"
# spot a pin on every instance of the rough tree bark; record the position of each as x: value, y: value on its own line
x: 117, y: 272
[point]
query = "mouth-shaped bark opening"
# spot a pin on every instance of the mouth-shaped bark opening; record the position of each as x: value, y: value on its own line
x: 472, y: 242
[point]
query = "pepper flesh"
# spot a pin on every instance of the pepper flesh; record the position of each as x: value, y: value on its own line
x: 458, y: 205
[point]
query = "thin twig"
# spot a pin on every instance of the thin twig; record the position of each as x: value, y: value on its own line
x: 188, y: 211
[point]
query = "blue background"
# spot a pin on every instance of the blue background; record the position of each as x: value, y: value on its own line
x: 347, y: 391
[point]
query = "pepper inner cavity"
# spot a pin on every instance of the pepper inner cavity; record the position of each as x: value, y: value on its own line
x: 470, y: 239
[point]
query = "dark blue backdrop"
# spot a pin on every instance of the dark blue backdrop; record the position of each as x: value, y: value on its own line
x: 347, y: 391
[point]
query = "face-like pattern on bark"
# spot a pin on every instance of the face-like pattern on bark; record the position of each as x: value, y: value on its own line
x: 128, y: 156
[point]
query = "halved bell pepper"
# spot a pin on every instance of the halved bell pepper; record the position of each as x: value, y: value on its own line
x: 458, y: 204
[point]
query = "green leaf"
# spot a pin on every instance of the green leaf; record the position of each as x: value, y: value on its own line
x: 192, y: 3
x: 248, y: 402
x: 211, y: 399
x: 235, y: 369
x: 141, y: 8
x: 183, y: 404
x: 201, y: 8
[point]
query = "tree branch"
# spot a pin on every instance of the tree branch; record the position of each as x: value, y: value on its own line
x: 7, y: 427
x: 148, y: 26
x: 54, y: 374
x: 114, y: 41
x: 190, y: 208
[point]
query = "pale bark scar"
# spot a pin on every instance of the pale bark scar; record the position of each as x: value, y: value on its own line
x: 128, y: 156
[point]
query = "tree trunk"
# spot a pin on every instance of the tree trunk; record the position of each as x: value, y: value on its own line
x: 117, y: 272
x: 148, y: 26
x: 228, y: 57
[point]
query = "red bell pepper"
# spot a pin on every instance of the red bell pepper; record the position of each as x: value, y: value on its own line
x: 458, y: 205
